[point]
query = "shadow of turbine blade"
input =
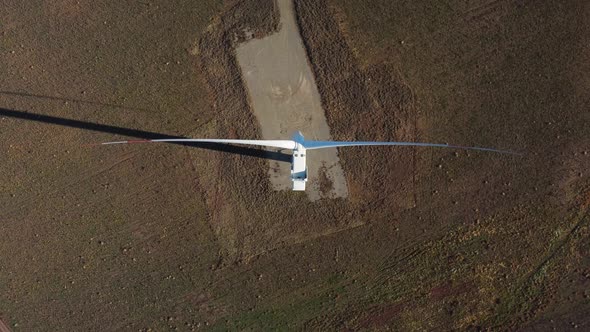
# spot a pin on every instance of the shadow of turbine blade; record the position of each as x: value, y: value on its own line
x: 142, y: 134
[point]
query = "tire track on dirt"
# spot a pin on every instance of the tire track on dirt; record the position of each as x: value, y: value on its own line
x: 4, y: 327
x: 539, y: 275
x: 477, y: 12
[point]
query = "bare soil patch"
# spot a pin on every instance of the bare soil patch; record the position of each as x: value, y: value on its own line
x: 284, y: 97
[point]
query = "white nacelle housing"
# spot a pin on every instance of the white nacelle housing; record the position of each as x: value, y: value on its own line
x: 299, y: 168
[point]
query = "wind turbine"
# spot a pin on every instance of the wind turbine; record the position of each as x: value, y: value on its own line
x: 299, y: 146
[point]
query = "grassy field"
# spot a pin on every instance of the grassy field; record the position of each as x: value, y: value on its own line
x: 164, y: 237
x: 491, y: 74
x: 94, y: 238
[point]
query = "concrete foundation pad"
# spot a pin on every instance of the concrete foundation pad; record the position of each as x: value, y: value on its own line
x: 285, y: 98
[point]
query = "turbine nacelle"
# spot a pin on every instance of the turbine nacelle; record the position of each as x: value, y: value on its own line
x: 299, y: 163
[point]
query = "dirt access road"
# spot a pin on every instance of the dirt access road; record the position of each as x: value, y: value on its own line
x: 285, y: 99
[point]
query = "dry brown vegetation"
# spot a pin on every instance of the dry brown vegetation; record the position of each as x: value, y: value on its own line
x: 169, y: 237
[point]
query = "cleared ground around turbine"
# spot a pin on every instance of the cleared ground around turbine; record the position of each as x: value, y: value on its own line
x: 284, y: 97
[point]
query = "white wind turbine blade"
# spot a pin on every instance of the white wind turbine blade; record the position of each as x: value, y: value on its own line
x: 310, y: 145
x: 283, y: 144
